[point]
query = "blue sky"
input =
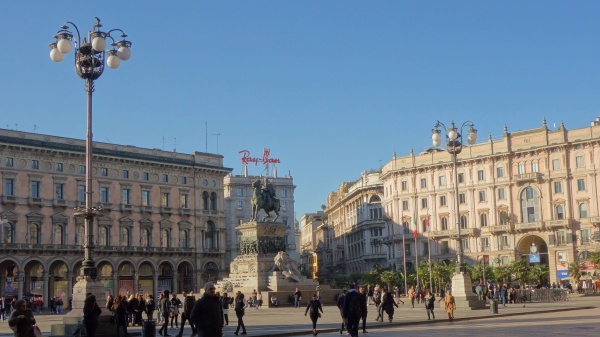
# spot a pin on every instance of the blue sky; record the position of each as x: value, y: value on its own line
x: 332, y: 87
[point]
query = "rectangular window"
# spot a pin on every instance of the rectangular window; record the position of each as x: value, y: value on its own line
x: 461, y: 178
x: 59, y: 167
x: 442, y: 180
x: 240, y: 204
x: 500, y: 172
x: 81, y: 169
x: 407, y: 250
x: 125, y: 196
x: 239, y: 192
x: 534, y: 166
x: 35, y: 189
x: 404, y: 186
x: 485, y: 244
x: 480, y: 176
x: 579, y: 161
x: 521, y: 168
x: 585, y: 236
x: 530, y: 214
x: 145, y: 176
x: 501, y: 194
x: 284, y: 193
x: 557, y: 187
x: 165, y: 178
x: 104, y: 172
x: 424, y: 203
x: 555, y: 164
x: 164, y: 200
x: 9, y: 162
x: 59, y: 191
x: 35, y: 164
x: 465, y: 244
x: 9, y: 187
x: 445, y: 248
x: 504, y: 241
x: 145, y: 198
x: 81, y: 193
x: 581, y: 184
x: 183, y: 180
x: 126, y: 174
x: 481, y: 196
x: 405, y: 205
x: 443, y: 200
x: 104, y: 195
x: 462, y: 198
x: 423, y: 183
x: 184, y: 200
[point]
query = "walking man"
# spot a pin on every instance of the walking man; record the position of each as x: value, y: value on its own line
x: 164, y: 305
x: 363, y: 303
x: 340, y: 305
x: 207, y: 313
x: 352, y: 310
x: 297, y: 298
x: 188, y: 304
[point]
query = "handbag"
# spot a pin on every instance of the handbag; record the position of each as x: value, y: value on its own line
x: 36, y: 331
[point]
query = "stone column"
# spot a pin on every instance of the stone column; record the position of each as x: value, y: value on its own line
x: 115, y: 279
x: 45, y: 289
x: 175, y: 282
x: 69, y: 289
x: 155, y: 281
x: 20, y: 276
x: 136, y: 281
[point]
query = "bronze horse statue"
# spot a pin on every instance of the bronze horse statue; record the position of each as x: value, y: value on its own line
x: 267, y: 203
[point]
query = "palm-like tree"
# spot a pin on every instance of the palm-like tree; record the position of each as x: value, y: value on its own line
x: 520, y: 268
x: 575, y: 271
x: 390, y: 277
x: 538, y: 272
x: 501, y: 273
x: 442, y: 274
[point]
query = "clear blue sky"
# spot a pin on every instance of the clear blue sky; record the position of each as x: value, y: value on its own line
x: 332, y: 87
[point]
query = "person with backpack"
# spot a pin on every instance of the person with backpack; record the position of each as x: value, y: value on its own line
x: 387, y: 305
x: 188, y: 305
x: 240, y: 306
x: 352, y: 310
x: 314, y: 306
x: 340, y: 305
x: 175, y: 306
x: 429, y: 304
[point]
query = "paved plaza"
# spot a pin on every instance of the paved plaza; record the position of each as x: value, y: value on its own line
x: 578, y: 317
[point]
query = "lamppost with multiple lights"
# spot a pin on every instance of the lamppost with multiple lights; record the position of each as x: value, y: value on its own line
x: 461, y: 282
x: 90, y: 58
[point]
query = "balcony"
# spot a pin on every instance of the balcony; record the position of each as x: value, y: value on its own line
x: 595, y: 220
x: 166, y: 210
x: 185, y: 211
x: 59, y: 203
x: 497, y: 229
x: 9, y: 199
x: 558, y: 224
x: 505, y: 247
x: 125, y: 208
x: 340, y: 247
x: 529, y: 226
x: 34, y: 201
x: 147, y: 209
x: 528, y: 177
x: 442, y: 234
x: 468, y: 231
x: 375, y: 256
x: 391, y: 239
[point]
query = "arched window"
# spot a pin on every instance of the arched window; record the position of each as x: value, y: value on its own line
x: 583, y: 210
x: 444, y: 224
x: 213, y: 201
x: 183, y: 239
x: 463, y: 222
x: 165, y: 238
x: 529, y: 193
x: 210, y: 236
x: 205, y: 200
x: 560, y: 213
x: 483, y: 219
x: 125, y: 237
x: 58, y: 235
x: 8, y: 233
x: 146, y: 238
x: 34, y: 233
x: 102, y: 236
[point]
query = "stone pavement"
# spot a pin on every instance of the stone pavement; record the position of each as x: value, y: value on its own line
x: 289, y: 321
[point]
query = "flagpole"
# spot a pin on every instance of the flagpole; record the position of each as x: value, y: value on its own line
x: 429, y: 252
x: 404, y: 257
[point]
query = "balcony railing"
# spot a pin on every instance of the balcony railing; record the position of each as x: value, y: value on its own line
x: 528, y: 177
x: 442, y: 234
x: 100, y: 249
x: 508, y: 228
x: 595, y: 220
x: 528, y: 226
x: 9, y: 199
x: 561, y: 223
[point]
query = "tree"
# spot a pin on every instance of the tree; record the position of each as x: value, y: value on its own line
x: 595, y: 258
x: 501, y: 273
x: 424, y: 274
x: 340, y: 282
x: 390, y: 277
x: 575, y: 271
x: 442, y: 274
x: 520, y: 268
x: 538, y: 274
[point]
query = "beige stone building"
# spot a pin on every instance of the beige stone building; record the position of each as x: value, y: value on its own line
x: 532, y: 191
x: 162, y: 224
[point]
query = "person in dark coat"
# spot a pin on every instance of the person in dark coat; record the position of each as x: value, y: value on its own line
x: 21, y: 320
x: 352, y: 310
x: 150, y: 306
x: 363, y: 304
x: 120, y: 314
x: 132, y: 304
x: 188, y: 303
x: 239, y: 305
x: 165, y: 304
x: 314, y: 306
x: 340, y: 305
x: 225, y: 302
x: 91, y: 311
x: 388, y: 304
x: 207, y: 313
x: 141, y: 307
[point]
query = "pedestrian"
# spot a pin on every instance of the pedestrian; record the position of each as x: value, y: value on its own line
x: 91, y: 311
x: 120, y: 315
x: 363, y: 303
x: 388, y: 303
x: 225, y: 302
x: 207, y: 313
x: 141, y: 308
x: 240, y: 306
x: 2, y: 307
x: 377, y: 302
x: 381, y: 307
x: 259, y: 300
x: 188, y: 304
x: 318, y: 289
x: 429, y: 304
x: 52, y: 305
x: 340, y: 305
x: 21, y: 321
x: 274, y: 301
x: 449, y: 305
x: 297, y: 298
x: 150, y: 306
x: 370, y: 295
x: 132, y: 304
x: 314, y: 306
x: 479, y: 291
x: 59, y: 305
x: 352, y: 310
x: 160, y: 317
x: 175, y: 306
x: 254, y: 298
x: 411, y: 295
x: 165, y: 305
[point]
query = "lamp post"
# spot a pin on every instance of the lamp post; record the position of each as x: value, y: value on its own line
x: 461, y: 282
x: 90, y: 58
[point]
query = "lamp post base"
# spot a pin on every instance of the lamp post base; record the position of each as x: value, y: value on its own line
x: 462, y: 290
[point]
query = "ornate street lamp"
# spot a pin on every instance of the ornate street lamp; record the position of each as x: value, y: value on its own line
x: 461, y: 282
x: 90, y: 58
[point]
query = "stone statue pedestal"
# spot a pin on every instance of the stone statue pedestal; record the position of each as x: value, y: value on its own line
x: 463, y: 293
x: 253, y: 268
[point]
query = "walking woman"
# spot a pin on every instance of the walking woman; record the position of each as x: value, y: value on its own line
x: 259, y: 300
x: 388, y: 305
x: 240, y: 305
x: 21, y: 320
x: 91, y: 311
x: 150, y: 306
x: 314, y: 306
x: 120, y: 315
x: 110, y: 301
x: 429, y: 304
x: 411, y: 295
x: 225, y: 302
x: 449, y: 305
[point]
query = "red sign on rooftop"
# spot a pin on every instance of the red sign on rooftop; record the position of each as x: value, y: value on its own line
x: 247, y: 158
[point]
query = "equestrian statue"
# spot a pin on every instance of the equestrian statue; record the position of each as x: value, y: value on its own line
x: 264, y: 198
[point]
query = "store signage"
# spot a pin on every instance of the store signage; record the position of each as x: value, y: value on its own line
x: 560, y: 274
x: 534, y: 258
x: 247, y: 158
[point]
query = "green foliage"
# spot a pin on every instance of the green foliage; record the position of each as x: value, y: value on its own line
x: 340, y: 282
x: 595, y: 258
x: 574, y: 271
x: 538, y: 273
x: 476, y: 272
x: 390, y: 277
x: 501, y: 273
x: 520, y: 269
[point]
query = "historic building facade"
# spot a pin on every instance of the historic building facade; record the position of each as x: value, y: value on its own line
x: 162, y: 225
x: 532, y: 191
x: 238, y: 191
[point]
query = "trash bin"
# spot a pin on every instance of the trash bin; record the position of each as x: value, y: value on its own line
x: 494, y: 306
x: 149, y: 328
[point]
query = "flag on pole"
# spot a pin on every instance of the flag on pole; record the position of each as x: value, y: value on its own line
x: 427, y: 224
x: 416, y: 227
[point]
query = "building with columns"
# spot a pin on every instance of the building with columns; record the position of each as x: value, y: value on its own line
x: 162, y: 224
x: 531, y: 191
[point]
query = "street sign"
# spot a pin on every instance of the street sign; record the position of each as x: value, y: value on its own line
x: 534, y: 258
